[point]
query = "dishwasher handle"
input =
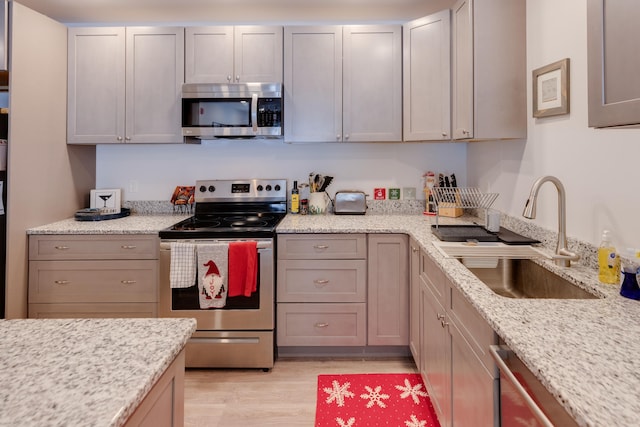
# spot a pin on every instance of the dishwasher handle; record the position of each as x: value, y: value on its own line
x: 499, y: 353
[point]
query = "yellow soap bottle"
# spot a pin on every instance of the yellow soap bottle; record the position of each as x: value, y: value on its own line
x: 608, y: 261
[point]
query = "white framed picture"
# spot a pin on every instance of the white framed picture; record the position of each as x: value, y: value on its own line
x: 107, y: 200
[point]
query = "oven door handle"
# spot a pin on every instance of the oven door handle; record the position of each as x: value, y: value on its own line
x: 260, y: 244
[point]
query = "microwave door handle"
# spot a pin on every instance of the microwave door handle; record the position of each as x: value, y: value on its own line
x: 254, y: 112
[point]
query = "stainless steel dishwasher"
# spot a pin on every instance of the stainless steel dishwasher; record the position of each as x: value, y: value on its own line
x: 523, y: 398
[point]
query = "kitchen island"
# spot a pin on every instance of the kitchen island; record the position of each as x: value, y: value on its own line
x: 585, y: 352
x: 87, y: 372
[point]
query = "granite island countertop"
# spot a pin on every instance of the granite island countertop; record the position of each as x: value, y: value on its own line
x: 83, y: 372
x: 584, y: 351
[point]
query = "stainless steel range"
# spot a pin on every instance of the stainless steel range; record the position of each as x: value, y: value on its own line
x: 234, y: 227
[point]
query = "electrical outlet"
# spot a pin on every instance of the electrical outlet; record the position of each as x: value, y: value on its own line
x: 133, y: 186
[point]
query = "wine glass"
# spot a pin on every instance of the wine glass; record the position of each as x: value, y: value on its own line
x: 104, y: 198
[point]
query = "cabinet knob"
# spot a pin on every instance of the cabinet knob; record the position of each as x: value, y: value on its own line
x: 229, y: 78
x: 238, y: 78
x: 346, y: 136
x: 444, y: 134
x: 119, y: 138
x: 127, y: 138
x: 466, y: 132
x: 338, y: 137
x: 321, y: 325
x: 128, y: 246
x: 440, y: 316
x: 61, y: 282
x: 414, y: 249
x: 127, y: 282
x: 61, y: 248
x: 443, y: 323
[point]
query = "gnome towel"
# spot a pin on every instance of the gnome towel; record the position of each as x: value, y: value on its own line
x: 212, y: 274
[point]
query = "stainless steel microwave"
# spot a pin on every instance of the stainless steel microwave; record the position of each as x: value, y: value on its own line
x: 233, y: 110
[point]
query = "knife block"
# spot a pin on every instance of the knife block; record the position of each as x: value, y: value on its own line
x: 451, y: 208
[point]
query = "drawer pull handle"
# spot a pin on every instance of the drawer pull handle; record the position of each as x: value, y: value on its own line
x: 128, y: 246
x: 443, y: 323
x: 127, y: 282
x: 61, y: 282
x: 322, y: 325
x: 321, y: 246
x: 321, y: 282
x: 61, y: 248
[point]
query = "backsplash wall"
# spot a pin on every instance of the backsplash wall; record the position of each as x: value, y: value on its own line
x: 151, y: 172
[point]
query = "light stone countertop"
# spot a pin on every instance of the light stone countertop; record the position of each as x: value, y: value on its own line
x: 586, y: 352
x: 132, y: 224
x: 83, y: 372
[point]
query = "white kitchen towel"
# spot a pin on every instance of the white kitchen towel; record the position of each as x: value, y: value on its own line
x: 212, y: 274
x: 183, y: 265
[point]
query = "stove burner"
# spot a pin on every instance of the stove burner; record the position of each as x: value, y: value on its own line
x: 249, y: 224
x: 194, y: 225
x: 248, y: 218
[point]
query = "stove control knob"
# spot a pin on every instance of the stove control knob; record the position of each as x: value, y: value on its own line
x: 268, y: 188
x: 277, y: 187
x: 260, y: 188
x: 212, y: 189
x: 203, y: 189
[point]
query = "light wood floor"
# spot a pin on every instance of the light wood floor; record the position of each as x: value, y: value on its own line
x: 285, y: 396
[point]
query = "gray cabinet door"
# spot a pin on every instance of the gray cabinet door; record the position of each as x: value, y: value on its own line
x: 614, y: 63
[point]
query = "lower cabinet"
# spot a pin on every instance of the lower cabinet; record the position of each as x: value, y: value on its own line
x: 93, y: 276
x: 342, y: 290
x: 453, y: 354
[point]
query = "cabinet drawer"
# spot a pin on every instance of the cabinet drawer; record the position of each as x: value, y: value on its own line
x: 475, y: 330
x: 47, y: 247
x: 322, y: 324
x: 93, y: 281
x: 434, y: 278
x: 322, y: 246
x: 92, y: 310
x: 322, y: 281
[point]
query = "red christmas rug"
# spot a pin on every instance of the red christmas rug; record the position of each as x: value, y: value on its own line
x: 369, y: 400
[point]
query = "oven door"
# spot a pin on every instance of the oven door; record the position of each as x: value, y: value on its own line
x: 239, y: 313
x: 240, y: 335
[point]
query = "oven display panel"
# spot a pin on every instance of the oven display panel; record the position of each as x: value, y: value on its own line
x: 240, y: 188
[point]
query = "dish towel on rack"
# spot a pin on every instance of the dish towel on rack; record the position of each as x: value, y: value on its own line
x: 212, y: 274
x: 183, y: 265
x: 243, y: 268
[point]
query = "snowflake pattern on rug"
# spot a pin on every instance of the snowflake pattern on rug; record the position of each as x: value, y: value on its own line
x: 384, y: 400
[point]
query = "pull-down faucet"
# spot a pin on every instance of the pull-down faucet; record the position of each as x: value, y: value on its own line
x: 563, y: 256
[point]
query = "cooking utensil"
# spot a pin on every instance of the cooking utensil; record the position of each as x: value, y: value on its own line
x: 325, y: 183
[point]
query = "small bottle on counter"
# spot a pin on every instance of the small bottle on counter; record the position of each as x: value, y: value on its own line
x: 295, y: 199
x: 608, y: 261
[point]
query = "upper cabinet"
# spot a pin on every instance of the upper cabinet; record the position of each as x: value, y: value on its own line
x: 614, y: 65
x: 227, y: 54
x: 124, y: 85
x: 343, y: 83
x: 427, y: 78
x: 489, y: 69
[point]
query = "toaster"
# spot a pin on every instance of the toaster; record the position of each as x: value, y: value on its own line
x: 350, y: 202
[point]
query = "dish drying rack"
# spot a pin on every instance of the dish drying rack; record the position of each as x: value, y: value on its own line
x: 450, y: 201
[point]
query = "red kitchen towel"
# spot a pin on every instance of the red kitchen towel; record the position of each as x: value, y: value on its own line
x: 243, y: 268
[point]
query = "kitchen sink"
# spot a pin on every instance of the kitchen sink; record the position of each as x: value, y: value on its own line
x: 523, y: 278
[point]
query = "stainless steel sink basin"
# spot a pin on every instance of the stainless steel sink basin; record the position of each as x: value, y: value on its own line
x: 523, y: 278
